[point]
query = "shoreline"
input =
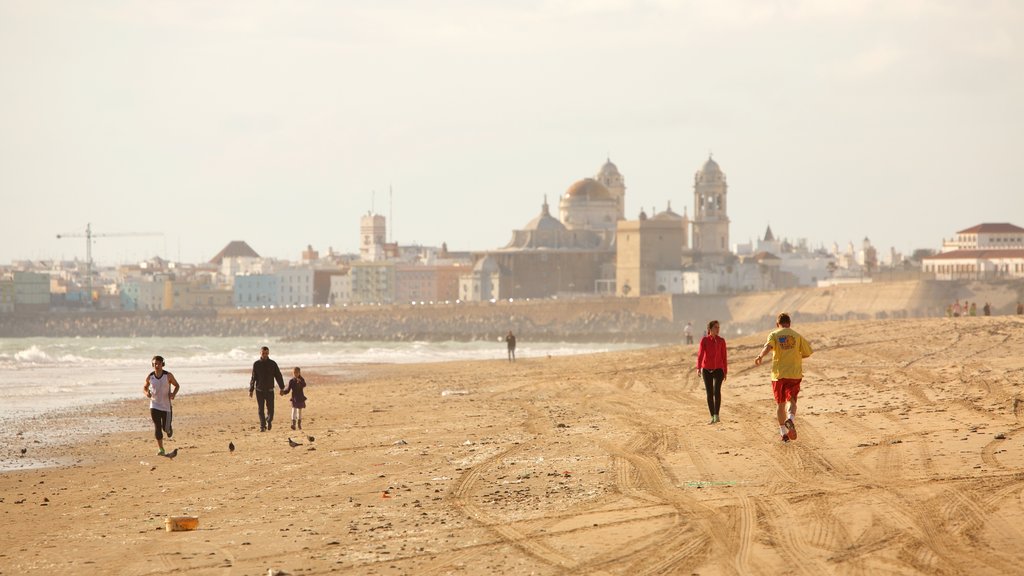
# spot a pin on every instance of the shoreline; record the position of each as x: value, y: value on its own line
x: 586, y: 464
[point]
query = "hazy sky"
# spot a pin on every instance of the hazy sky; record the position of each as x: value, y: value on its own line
x: 281, y: 123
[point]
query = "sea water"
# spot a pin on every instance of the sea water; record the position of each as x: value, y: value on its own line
x: 40, y: 375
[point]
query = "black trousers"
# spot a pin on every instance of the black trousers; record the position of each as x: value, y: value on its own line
x: 713, y: 386
x: 159, y: 422
x: 265, y: 399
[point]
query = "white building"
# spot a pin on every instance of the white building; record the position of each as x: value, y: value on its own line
x: 992, y: 250
x: 295, y: 287
x: 999, y: 236
x: 143, y: 293
x: 341, y: 289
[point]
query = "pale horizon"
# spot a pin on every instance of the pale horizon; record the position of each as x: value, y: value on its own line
x: 280, y: 124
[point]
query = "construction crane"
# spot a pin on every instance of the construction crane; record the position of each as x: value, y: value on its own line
x: 88, y: 248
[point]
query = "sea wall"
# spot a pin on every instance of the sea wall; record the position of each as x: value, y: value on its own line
x: 647, y: 319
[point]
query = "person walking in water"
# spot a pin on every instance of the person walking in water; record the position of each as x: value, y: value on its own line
x: 158, y: 390
x: 264, y: 373
x: 713, y: 366
x: 788, y: 350
x: 510, y: 340
x: 297, y: 387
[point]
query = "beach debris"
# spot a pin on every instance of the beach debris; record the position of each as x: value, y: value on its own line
x: 180, y: 523
x: 293, y: 443
x: 276, y: 572
x: 454, y: 392
x: 399, y: 443
x: 1000, y: 436
x: 23, y: 450
x: 311, y: 439
x: 231, y: 446
x: 172, y: 453
x: 385, y: 494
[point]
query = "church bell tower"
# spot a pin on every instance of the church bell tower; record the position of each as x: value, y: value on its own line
x: 710, y: 210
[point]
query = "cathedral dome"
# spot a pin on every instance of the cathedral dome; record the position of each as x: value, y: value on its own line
x: 711, y: 167
x: 588, y: 189
x: 544, y: 221
x: 609, y: 169
x: 710, y: 172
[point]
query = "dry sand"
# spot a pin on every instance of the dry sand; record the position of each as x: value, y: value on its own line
x: 910, y: 460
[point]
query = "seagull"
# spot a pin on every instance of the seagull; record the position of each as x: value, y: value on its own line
x: 231, y: 446
x: 172, y: 453
x: 310, y: 438
x: 293, y: 443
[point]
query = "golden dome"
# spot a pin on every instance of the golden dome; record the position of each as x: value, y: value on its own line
x: 588, y: 189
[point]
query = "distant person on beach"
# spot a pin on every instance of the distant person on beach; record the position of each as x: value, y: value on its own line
x: 973, y: 311
x: 688, y: 332
x: 158, y: 390
x: 297, y: 387
x: 713, y: 367
x: 788, y: 350
x: 510, y: 340
x: 1020, y: 307
x: 264, y: 373
x: 956, y: 308
x: 987, y: 309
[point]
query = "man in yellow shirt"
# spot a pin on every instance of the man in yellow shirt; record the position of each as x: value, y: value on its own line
x: 788, y: 350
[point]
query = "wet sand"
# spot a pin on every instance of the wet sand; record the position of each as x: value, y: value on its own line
x: 910, y: 460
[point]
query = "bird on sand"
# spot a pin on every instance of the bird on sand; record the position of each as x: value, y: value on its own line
x: 172, y: 453
x: 231, y: 446
x: 293, y: 443
x: 23, y: 450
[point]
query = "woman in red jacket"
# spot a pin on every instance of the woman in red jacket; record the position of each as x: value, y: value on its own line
x: 713, y: 366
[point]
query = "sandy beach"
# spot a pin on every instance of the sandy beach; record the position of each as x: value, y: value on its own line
x: 910, y: 460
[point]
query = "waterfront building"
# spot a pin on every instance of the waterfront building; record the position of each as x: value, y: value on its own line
x: 31, y: 292
x: 6, y: 295
x: 341, y: 289
x: 237, y: 259
x: 145, y: 293
x: 985, y: 251
x: 373, y: 282
x: 295, y: 286
x: 255, y: 290
x: 190, y: 294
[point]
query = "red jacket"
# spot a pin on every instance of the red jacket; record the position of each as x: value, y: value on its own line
x: 712, y: 355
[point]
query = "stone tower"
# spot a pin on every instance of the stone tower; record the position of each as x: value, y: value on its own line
x: 373, y: 235
x: 615, y: 183
x: 710, y: 210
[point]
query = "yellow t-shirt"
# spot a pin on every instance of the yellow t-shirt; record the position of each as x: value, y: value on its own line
x: 788, y: 352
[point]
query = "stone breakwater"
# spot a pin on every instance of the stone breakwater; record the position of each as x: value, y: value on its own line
x: 648, y: 319
x: 598, y: 322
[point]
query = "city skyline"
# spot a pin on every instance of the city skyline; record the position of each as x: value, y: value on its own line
x: 281, y: 125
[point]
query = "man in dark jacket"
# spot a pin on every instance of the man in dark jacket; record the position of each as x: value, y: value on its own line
x: 264, y: 373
